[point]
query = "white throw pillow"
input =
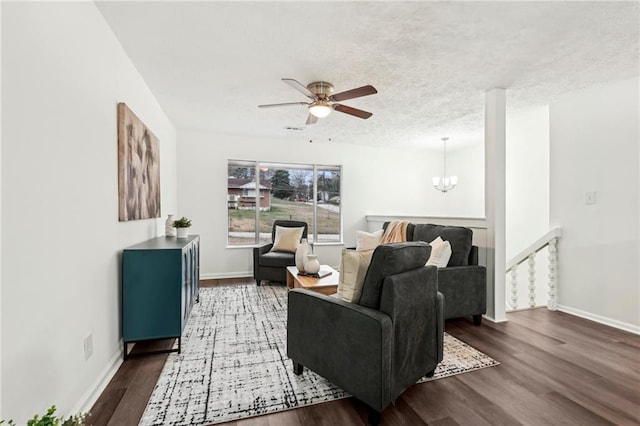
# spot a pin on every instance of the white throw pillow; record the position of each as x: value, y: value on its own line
x: 438, y: 240
x: 440, y: 253
x: 287, y: 239
x: 368, y: 241
x: 353, y: 269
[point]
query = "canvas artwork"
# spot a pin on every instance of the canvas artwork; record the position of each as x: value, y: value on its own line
x: 138, y: 168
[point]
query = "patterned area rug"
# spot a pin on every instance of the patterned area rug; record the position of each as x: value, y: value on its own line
x: 234, y: 364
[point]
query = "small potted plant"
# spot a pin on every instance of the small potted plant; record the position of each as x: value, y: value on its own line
x: 182, y: 226
x: 51, y: 419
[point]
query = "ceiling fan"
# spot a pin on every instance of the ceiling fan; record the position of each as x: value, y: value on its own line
x: 323, y: 100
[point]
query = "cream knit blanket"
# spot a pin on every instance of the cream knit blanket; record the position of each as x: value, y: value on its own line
x: 396, y: 232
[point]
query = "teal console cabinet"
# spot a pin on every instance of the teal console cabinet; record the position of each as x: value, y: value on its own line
x: 160, y: 283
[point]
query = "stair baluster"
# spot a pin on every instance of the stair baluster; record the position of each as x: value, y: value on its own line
x: 553, y: 263
x: 550, y: 240
x: 514, y: 287
x: 532, y: 280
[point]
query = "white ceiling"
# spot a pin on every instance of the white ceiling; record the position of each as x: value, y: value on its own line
x: 211, y: 63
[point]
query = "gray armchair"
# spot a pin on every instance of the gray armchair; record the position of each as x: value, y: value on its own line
x: 379, y: 347
x: 272, y: 266
x: 463, y: 282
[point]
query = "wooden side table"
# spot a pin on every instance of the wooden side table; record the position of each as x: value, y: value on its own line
x: 325, y: 285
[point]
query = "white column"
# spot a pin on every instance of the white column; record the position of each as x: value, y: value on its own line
x: 494, y: 195
x: 0, y: 218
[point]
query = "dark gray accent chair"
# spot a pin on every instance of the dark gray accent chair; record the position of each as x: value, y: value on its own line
x: 272, y: 266
x: 463, y: 282
x: 374, y: 349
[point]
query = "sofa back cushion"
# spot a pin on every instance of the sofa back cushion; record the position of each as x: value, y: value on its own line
x: 459, y: 237
x: 391, y: 259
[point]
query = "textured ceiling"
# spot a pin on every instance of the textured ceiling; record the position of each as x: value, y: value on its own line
x: 211, y: 63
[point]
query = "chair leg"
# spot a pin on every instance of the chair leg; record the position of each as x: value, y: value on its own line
x: 477, y: 319
x: 297, y: 368
x: 374, y: 416
x: 258, y: 282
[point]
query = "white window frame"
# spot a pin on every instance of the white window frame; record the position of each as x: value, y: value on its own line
x: 270, y: 164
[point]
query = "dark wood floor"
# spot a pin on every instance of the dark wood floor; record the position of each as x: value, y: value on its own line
x: 554, y: 369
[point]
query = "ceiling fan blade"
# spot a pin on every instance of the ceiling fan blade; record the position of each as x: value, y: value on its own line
x: 284, y: 104
x: 352, y: 111
x: 299, y: 87
x: 354, y: 93
x: 311, y: 119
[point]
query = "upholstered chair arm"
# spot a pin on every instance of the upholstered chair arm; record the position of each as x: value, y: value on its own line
x: 257, y: 251
x: 263, y: 248
x: 410, y: 299
x: 348, y: 344
x: 464, y: 289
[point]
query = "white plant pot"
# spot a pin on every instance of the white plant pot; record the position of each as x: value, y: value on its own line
x: 182, y: 232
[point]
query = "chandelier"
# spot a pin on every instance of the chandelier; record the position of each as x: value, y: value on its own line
x: 444, y: 183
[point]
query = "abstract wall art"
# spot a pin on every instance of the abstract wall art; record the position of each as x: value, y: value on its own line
x: 138, y: 168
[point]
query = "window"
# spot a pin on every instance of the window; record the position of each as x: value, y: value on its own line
x: 305, y: 192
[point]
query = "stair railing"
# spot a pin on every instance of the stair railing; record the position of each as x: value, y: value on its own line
x: 550, y: 240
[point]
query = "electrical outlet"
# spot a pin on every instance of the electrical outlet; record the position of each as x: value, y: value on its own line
x: 88, y: 346
x: 590, y: 197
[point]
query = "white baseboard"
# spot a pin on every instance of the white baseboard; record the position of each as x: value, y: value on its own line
x: 244, y: 274
x: 218, y: 276
x: 91, y: 396
x: 600, y: 319
x: 491, y: 319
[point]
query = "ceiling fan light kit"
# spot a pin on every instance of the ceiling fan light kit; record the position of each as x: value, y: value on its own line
x: 320, y: 109
x: 323, y: 100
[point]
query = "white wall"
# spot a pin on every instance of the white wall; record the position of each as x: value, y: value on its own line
x: 375, y: 181
x: 527, y: 196
x: 527, y: 178
x: 466, y: 200
x: 594, y: 147
x: 63, y: 74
